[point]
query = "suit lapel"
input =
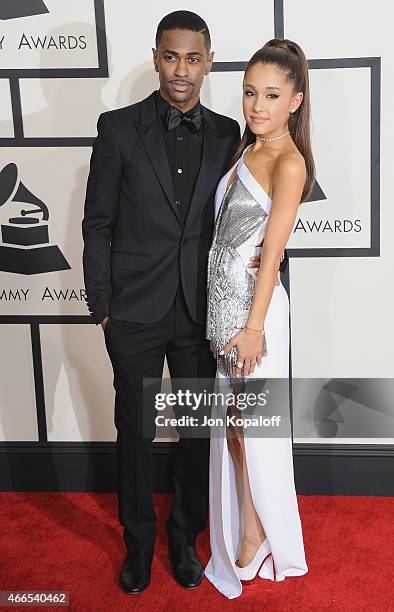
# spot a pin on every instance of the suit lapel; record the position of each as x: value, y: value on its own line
x: 213, y: 156
x: 152, y: 140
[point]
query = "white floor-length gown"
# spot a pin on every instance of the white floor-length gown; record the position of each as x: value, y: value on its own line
x: 269, y: 460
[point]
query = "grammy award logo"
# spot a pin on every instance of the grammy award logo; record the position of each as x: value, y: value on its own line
x: 317, y: 193
x: 24, y: 248
x: 13, y: 9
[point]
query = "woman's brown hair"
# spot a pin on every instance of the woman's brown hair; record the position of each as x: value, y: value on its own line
x: 288, y: 56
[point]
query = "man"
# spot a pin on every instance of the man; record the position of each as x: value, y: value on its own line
x: 147, y: 227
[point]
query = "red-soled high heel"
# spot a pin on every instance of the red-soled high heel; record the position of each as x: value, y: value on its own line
x: 248, y: 573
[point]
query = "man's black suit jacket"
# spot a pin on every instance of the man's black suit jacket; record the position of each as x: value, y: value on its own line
x: 136, y: 249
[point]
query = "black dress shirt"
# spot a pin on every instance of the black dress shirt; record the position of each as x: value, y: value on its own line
x: 184, y: 151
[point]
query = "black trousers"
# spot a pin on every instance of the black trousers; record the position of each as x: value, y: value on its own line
x: 137, y: 351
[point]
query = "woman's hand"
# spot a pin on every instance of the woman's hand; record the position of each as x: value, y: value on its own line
x: 249, y: 345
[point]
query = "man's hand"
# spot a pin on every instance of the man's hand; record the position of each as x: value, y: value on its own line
x: 104, y: 322
x: 255, y: 261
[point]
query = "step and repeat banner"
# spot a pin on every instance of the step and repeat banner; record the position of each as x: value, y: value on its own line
x: 61, y: 65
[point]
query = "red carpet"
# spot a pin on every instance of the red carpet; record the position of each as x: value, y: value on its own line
x: 73, y: 542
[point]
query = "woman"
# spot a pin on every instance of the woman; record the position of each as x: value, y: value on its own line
x: 255, y: 527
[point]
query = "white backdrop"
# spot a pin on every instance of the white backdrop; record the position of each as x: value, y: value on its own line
x: 341, y: 306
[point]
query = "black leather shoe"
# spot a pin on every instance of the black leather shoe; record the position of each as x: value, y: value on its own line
x: 136, y: 571
x: 186, y: 566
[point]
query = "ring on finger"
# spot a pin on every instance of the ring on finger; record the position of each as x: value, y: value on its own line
x: 240, y: 364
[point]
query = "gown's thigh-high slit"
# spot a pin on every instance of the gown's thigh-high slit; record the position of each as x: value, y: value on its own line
x: 247, y: 510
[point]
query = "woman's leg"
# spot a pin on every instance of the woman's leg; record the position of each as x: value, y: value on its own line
x: 252, y: 529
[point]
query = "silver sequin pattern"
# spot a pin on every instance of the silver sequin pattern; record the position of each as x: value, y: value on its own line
x: 240, y: 221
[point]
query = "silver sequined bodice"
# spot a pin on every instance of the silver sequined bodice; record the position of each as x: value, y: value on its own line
x: 239, y: 229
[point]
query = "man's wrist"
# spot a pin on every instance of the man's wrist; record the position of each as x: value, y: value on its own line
x: 99, y: 312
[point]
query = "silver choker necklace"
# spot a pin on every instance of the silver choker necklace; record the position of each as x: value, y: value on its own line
x: 270, y: 139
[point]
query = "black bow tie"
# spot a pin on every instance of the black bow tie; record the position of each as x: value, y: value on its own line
x: 174, y: 117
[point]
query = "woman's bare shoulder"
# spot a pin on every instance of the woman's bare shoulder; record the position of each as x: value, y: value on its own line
x: 290, y: 165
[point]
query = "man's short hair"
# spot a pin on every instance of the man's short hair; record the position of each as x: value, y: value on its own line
x: 184, y: 20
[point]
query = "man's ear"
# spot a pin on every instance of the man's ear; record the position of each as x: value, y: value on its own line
x: 154, y: 52
x: 210, y: 62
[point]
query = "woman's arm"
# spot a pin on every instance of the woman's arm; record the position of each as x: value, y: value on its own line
x: 288, y: 183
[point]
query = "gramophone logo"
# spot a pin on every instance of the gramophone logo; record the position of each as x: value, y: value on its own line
x: 13, y: 9
x: 25, y: 247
